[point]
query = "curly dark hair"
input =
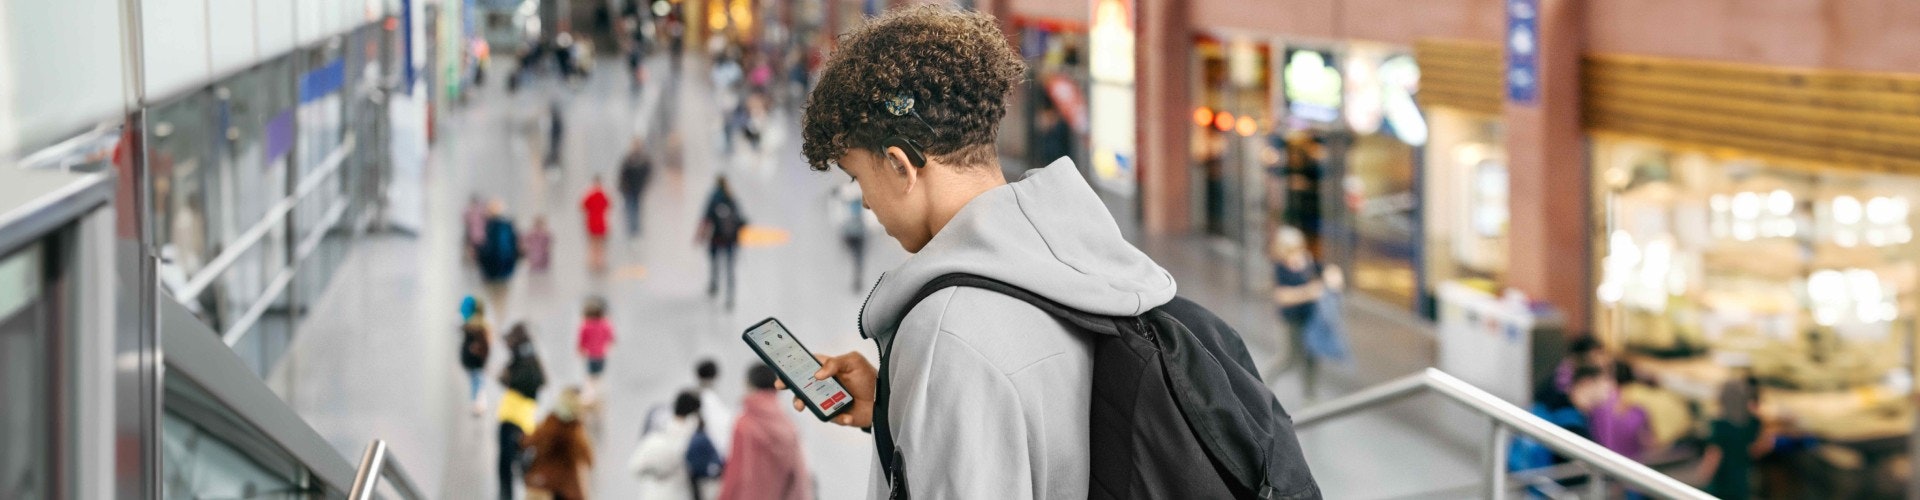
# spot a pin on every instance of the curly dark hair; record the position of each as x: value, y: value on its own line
x: 956, y: 65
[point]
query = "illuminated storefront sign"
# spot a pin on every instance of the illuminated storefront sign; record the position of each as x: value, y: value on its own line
x: 1313, y: 86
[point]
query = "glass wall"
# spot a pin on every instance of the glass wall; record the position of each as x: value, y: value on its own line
x: 191, y: 218
x: 26, y: 366
x: 1233, y: 96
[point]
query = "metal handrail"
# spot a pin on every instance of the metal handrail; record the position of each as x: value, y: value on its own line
x: 378, y: 463
x: 194, y: 354
x: 1506, y: 419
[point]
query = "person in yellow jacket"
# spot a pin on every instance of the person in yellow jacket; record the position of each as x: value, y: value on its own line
x: 520, y: 406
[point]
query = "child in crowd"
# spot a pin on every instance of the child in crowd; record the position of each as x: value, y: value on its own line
x: 475, y: 344
x: 475, y: 217
x: 596, y: 336
x: 537, y: 244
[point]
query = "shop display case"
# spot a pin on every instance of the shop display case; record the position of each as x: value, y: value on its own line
x: 1806, y: 272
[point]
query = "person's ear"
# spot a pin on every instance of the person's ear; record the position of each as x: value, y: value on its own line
x: 897, y: 160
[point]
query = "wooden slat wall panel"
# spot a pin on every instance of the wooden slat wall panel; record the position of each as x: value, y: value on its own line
x: 1809, y: 117
x: 1461, y: 74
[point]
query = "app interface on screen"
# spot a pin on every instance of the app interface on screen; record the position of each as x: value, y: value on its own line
x: 794, y: 361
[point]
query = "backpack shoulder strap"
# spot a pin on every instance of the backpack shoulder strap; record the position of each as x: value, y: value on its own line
x: 1107, y: 325
x: 890, y: 459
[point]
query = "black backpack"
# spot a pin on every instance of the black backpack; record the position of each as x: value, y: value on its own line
x: 1179, y: 409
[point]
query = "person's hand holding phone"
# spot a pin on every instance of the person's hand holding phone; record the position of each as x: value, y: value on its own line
x: 857, y: 375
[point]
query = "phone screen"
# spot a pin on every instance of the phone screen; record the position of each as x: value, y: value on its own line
x: 784, y: 353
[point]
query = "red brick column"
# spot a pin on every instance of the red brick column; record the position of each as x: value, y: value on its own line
x: 1163, y: 110
x: 1550, y: 255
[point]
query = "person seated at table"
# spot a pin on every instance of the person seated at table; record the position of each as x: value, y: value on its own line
x: 1669, y: 417
x: 1618, y: 427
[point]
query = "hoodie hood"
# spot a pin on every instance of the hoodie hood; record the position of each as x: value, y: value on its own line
x: 1046, y: 233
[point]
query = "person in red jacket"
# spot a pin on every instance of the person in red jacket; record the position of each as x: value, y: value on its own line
x: 595, y: 205
x: 765, y: 462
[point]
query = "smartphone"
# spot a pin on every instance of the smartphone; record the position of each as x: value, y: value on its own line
x: 780, y: 350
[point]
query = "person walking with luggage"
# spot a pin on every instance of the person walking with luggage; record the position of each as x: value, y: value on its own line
x: 596, y: 336
x: 721, y: 223
x: 523, y: 379
x: 1297, y: 289
x: 765, y: 461
x: 594, y: 206
x: 636, y: 170
x: 987, y: 332
x: 562, y: 465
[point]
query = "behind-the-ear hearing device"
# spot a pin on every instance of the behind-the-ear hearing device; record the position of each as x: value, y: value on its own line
x: 914, y: 157
x: 902, y: 105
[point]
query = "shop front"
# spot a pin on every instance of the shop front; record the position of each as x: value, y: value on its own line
x: 1352, y: 178
x: 1231, y: 150
x: 1047, y: 119
x: 1465, y: 193
x: 1757, y: 222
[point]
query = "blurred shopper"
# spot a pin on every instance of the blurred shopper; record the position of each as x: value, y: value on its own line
x: 636, y: 170
x: 726, y: 94
x: 1053, y: 136
x: 500, y: 247
x: 476, y: 218
x: 596, y: 336
x: 1735, y: 440
x: 523, y: 379
x: 556, y: 133
x: 1307, y: 153
x: 538, y: 245
x: 765, y: 461
x: 661, y: 457
x: 476, y: 342
x: 562, y: 464
x: 1585, y: 350
x: 594, y: 206
x: 721, y: 223
x: 1610, y: 423
x: 716, y: 415
x: 1669, y: 415
x: 1297, y: 289
x: 848, y: 212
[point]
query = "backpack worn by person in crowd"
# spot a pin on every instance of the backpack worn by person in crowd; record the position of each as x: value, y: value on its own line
x: 703, y: 460
x: 1179, y: 409
x: 727, y: 222
x: 502, y: 247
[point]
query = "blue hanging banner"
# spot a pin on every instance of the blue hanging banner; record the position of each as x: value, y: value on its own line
x: 1523, y: 51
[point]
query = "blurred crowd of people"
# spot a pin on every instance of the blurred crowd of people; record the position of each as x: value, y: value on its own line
x: 697, y: 445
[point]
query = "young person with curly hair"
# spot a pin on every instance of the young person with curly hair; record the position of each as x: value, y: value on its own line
x: 989, y: 396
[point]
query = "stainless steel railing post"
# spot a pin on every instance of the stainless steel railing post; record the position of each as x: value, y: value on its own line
x: 1497, y: 461
x: 368, y: 477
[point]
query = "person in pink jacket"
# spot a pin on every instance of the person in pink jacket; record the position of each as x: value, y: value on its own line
x: 596, y: 336
x: 765, y: 462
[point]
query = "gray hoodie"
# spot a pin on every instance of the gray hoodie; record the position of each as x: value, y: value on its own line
x: 990, y: 396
